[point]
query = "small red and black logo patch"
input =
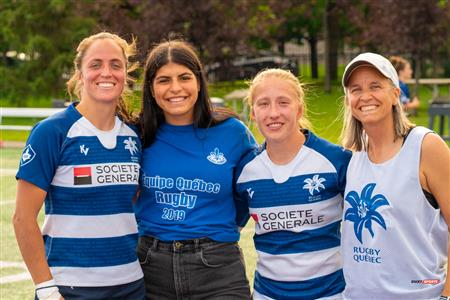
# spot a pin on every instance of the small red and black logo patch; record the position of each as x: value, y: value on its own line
x: 82, y: 175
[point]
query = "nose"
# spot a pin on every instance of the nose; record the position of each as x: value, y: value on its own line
x: 366, y: 94
x: 175, y: 87
x: 273, y: 111
x: 106, y: 71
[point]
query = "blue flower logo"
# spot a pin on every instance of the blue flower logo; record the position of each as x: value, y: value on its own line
x: 363, y: 210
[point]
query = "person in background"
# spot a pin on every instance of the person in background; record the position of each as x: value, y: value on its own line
x: 396, y: 208
x: 294, y: 192
x: 84, y: 164
x: 404, y: 71
x: 192, y: 157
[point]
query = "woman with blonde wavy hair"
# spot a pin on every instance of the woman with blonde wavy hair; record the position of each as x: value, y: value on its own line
x: 396, y: 208
x: 293, y: 191
x: 83, y: 163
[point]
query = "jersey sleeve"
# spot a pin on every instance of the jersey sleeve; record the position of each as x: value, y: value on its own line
x: 249, y: 148
x: 342, y: 171
x: 40, y: 156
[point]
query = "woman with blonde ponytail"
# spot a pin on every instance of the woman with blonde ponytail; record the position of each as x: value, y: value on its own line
x: 83, y: 163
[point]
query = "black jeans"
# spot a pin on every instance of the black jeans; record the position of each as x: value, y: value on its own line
x: 192, y: 269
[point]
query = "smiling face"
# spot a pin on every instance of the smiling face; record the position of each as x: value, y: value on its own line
x: 175, y: 89
x: 103, y: 72
x: 276, y: 110
x: 371, y: 96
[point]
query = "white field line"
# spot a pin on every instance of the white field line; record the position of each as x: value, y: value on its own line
x: 16, y: 277
x: 7, y: 202
x: 8, y: 172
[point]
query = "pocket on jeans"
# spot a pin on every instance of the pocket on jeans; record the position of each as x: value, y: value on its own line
x: 143, y: 253
x: 219, y: 254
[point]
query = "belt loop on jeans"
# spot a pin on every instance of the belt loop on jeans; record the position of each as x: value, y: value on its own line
x: 155, y: 244
x: 197, y: 244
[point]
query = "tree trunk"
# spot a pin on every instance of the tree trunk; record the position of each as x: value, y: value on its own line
x: 331, y: 44
x: 313, y: 57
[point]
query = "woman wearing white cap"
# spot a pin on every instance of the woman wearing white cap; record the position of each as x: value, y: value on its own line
x: 396, y: 208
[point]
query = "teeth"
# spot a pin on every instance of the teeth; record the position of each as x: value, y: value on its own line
x: 274, y: 125
x: 105, y: 84
x: 177, y: 99
x: 368, y: 107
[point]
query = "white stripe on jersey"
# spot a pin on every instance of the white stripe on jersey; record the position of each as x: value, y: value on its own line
x: 116, y: 275
x: 307, y: 161
x: 258, y: 296
x: 83, y: 127
x: 101, y: 175
x: 299, y: 266
x: 65, y: 226
x: 328, y: 211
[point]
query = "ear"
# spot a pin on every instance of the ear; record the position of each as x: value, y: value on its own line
x: 397, y: 93
x: 252, y: 114
x: 299, y: 112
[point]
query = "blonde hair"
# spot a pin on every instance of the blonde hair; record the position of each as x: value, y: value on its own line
x: 289, y: 78
x: 128, y: 50
x: 353, y: 136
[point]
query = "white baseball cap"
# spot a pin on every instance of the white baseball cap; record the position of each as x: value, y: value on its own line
x: 382, y: 64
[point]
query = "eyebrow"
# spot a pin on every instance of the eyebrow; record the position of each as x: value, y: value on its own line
x: 100, y: 60
x: 182, y: 74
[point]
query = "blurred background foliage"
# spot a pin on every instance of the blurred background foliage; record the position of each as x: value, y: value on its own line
x: 38, y: 38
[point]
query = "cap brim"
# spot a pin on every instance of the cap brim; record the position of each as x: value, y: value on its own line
x: 357, y: 64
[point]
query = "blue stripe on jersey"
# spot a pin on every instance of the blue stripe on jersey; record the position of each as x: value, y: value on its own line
x: 92, y: 252
x: 318, y: 287
x: 94, y: 152
x: 291, y: 192
x: 335, y: 154
x: 90, y: 201
x: 306, y: 241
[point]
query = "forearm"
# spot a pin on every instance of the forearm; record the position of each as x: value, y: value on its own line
x: 31, y: 246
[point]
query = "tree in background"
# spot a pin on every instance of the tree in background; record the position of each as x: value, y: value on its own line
x: 217, y: 28
x: 418, y: 30
x: 37, y: 40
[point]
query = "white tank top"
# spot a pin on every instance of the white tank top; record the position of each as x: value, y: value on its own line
x: 394, y: 243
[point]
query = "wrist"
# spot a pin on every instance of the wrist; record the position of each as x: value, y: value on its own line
x: 47, y: 290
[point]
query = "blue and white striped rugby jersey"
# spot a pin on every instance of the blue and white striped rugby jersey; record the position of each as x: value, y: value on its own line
x: 90, y: 177
x: 297, y: 209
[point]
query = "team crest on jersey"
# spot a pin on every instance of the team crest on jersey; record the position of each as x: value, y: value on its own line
x: 131, y: 145
x: 82, y: 175
x: 28, y: 155
x: 314, y: 184
x: 363, y: 210
x: 216, y: 157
